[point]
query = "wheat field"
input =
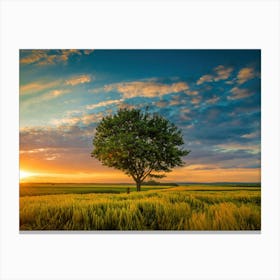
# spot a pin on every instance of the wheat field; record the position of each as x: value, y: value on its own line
x: 174, y: 208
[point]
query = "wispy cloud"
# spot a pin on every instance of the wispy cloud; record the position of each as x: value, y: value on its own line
x: 41, y: 85
x: 82, y: 119
x: 80, y: 79
x: 146, y: 89
x: 229, y: 147
x: 54, y: 93
x: 48, y: 154
x: 250, y: 135
x: 184, y: 114
x: 212, y: 100
x: 37, y: 99
x: 38, y: 86
x: 104, y: 104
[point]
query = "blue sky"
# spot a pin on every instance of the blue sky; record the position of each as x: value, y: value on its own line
x: 214, y: 96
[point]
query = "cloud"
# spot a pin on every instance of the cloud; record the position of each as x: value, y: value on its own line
x: 57, y: 148
x: 81, y: 119
x: 204, y: 79
x: 229, y: 147
x: 146, y: 89
x: 32, y: 151
x: 81, y: 79
x: 250, y: 135
x: 39, y: 86
x: 48, y: 154
x: 34, y: 56
x: 42, y: 97
x: 92, y: 118
x: 245, y: 74
x: 88, y: 52
x: 212, y: 100
x: 56, y: 93
x: 103, y: 104
x: 161, y: 104
x: 184, y: 115
x: 193, y: 92
x: 196, y: 100
x: 238, y: 93
x: 220, y: 73
x: 49, y: 57
x: 229, y: 155
x: 49, y: 137
x: 36, y: 87
x: 174, y: 102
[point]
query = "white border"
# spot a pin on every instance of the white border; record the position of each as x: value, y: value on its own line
x: 155, y: 24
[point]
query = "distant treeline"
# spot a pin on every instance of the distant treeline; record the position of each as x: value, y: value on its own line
x: 155, y: 183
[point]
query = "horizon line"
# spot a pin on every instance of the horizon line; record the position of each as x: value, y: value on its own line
x: 126, y: 183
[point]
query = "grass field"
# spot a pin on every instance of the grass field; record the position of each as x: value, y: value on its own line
x: 109, y: 207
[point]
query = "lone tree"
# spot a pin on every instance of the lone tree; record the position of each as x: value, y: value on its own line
x: 140, y: 144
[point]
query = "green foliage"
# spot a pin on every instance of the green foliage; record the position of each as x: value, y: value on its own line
x: 140, y: 144
x: 167, y: 209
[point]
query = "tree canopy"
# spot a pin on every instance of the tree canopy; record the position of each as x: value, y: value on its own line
x: 139, y: 143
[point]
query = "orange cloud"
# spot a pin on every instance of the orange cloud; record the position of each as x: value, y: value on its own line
x: 35, y: 56
x: 146, y: 89
x: 245, y: 74
x: 222, y: 72
x: 196, y: 100
x: 194, y: 92
x: 57, y: 92
x: 83, y: 119
x: 205, y: 78
x: 38, y: 86
x: 81, y: 79
x: 47, y: 57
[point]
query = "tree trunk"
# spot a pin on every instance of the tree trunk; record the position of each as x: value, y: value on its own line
x: 138, y: 186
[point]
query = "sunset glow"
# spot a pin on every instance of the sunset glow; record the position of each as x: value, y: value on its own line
x: 25, y: 174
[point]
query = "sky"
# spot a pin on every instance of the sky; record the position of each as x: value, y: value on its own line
x: 213, y: 96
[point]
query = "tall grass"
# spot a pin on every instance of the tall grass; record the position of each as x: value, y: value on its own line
x: 151, y: 210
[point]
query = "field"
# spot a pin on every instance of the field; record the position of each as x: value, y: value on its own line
x: 110, y: 207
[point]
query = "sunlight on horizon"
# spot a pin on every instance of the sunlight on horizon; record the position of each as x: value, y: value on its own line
x: 25, y: 174
x: 178, y: 175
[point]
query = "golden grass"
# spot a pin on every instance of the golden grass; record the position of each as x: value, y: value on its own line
x: 173, y: 209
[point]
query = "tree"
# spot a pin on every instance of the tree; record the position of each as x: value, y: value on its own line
x: 139, y: 143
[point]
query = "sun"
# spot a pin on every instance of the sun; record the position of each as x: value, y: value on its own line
x: 25, y: 174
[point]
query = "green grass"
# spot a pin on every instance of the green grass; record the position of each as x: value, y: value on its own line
x: 34, y: 189
x: 89, y: 207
